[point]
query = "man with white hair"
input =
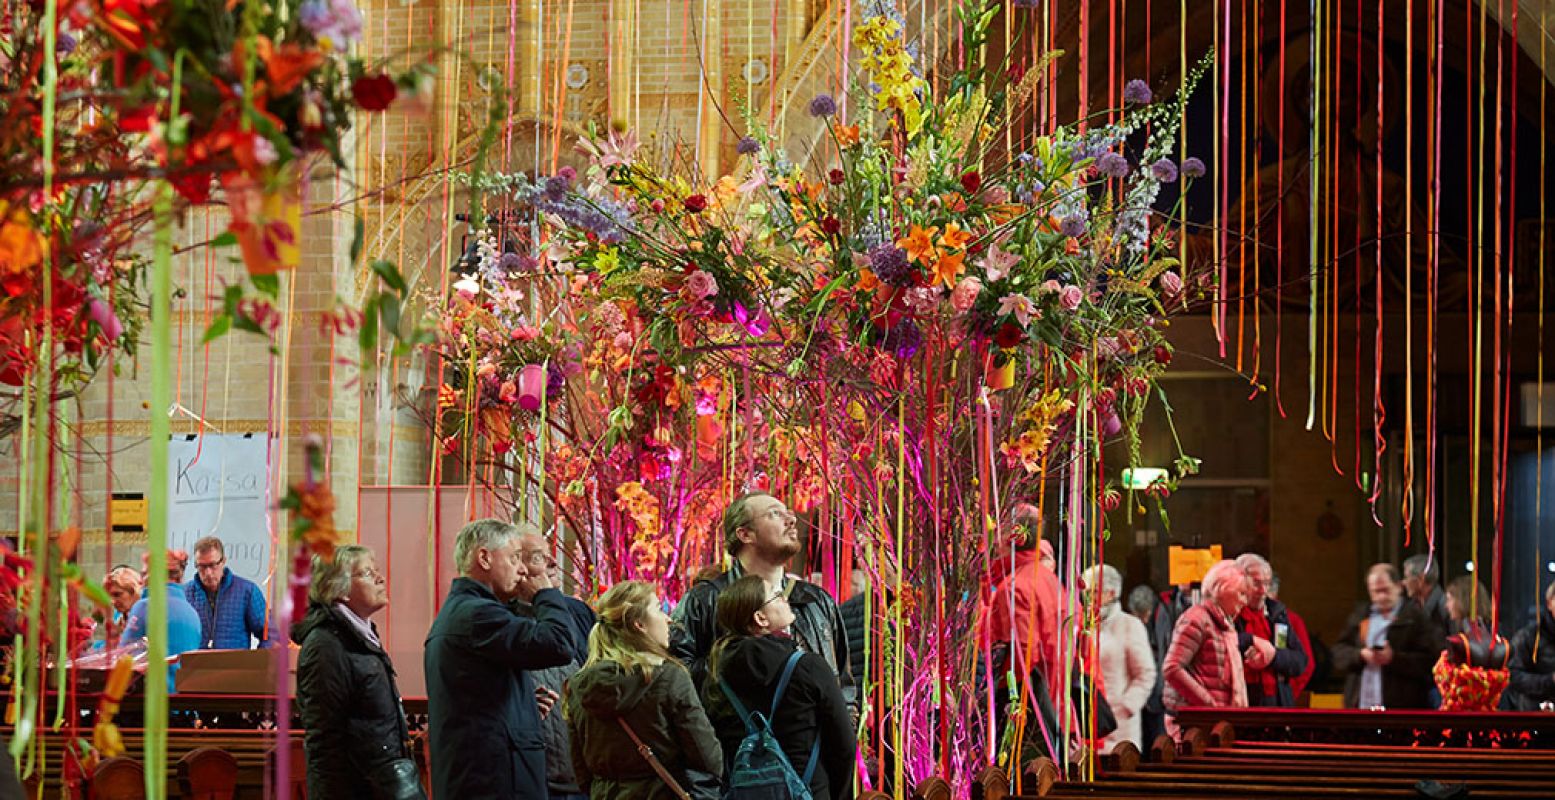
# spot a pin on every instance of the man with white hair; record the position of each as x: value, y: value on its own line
x: 483, y: 709
x: 1123, y: 652
x: 1271, y: 653
x: 1203, y: 667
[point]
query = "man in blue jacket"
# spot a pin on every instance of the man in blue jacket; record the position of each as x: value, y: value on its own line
x: 183, y: 624
x: 231, y: 608
x: 484, y: 711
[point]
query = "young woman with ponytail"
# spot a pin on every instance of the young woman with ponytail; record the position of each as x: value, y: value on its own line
x: 630, y: 688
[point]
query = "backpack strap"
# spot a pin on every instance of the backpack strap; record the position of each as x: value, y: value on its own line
x: 739, y: 708
x: 815, y: 756
x: 788, y: 672
x: 815, y: 748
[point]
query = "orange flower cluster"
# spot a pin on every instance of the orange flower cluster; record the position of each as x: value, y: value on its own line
x: 944, y: 254
x: 316, y: 505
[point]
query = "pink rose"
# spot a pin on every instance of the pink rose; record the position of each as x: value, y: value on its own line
x: 1171, y: 286
x: 701, y: 284
x: 525, y: 333
x: 623, y: 341
x: 508, y: 393
x: 964, y: 296
x: 1048, y: 286
x: 1069, y: 297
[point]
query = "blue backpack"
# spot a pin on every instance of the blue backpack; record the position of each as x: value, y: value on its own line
x: 761, y: 771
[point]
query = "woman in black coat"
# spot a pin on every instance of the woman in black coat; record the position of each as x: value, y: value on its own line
x: 811, y: 721
x: 355, y: 733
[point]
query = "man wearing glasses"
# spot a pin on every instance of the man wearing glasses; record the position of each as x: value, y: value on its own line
x: 231, y: 608
x: 762, y: 535
x: 1271, y: 654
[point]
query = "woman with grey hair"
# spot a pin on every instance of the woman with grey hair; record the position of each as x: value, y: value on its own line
x: 1203, y: 667
x: 355, y: 735
x: 1127, y: 665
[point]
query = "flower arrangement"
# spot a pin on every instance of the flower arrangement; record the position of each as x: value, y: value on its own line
x: 899, y: 340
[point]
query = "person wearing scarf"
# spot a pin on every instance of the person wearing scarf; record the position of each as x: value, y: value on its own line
x: 1272, y: 656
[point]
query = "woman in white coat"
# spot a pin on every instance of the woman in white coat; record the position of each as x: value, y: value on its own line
x: 1127, y: 665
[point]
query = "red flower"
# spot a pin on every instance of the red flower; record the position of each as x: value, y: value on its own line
x: 971, y: 182
x: 374, y: 92
x: 696, y: 203
x: 1163, y: 355
x: 1009, y: 335
x: 831, y: 225
x: 836, y: 177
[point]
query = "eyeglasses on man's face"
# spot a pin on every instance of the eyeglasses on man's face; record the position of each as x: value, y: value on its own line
x: 210, y: 566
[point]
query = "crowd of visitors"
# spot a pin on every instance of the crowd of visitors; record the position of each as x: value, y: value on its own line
x: 752, y: 682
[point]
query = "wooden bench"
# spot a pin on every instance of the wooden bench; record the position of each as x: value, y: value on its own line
x: 1216, y: 762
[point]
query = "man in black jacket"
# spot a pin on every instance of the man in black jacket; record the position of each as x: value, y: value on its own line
x: 483, y: 708
x: 1421, y: 585
x: 762, y: 535
x: 1272, y: 655
x: 1533, y: 668
x: 1388, y: 647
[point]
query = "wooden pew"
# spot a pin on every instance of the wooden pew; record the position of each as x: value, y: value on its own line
x: 1216, y: 761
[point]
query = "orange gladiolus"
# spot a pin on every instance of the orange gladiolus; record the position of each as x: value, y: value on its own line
x: 21, y: 249
x: 288, y: 66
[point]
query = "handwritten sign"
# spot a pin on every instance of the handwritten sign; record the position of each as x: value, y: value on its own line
x: 220, y: 486
x: 1188, y: 564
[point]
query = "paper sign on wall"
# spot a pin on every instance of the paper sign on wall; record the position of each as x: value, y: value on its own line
x: 1188, y: 564
x: 220, y: 486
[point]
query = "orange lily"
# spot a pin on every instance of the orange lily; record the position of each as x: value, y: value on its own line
x: 847, y: 135
x: 919, y: 243
x: 949, y: 268
x: 955, y: 237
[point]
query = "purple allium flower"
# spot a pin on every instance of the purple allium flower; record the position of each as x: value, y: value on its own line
x: 903, y: 339
x: 1112, y: 164
x: 747, y: 146
x: 823, y: 106
x: 556, y: 187
x: 1027, y: 3
x: 1192, y: 167
x: 64, y: 44
x: 554, y: 379
x: 1164, y: 170
x: 1072, y: 225
x: 1136, y: 92
x: 891, y: 266
x: 510, y: 264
